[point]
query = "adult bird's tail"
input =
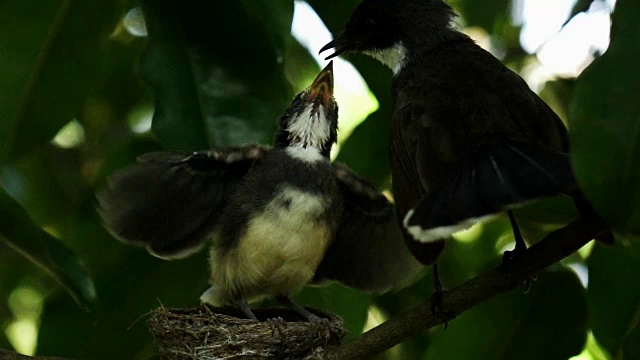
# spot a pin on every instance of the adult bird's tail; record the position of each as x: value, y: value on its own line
x: 494, y: 178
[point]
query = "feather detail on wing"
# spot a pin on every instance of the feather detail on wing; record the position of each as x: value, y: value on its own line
x: 369, y: 252
x: 495, y: 177
x: 169, y: 202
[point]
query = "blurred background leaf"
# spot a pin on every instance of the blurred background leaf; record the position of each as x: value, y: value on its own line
x: 614, y: 298
x: 87, y: 87
x: 48, y: 47
x: 537, y: 325
x: 216, y: 70
x: 485, y: 15
x: 20, y: 234
x: 605, y: 123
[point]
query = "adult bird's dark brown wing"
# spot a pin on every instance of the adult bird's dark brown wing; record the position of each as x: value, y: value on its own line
x: 169, y: 202
x: 478, y: 143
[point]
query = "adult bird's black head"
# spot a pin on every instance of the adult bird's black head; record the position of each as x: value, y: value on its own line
x: 469, y: 139
x: 384, y: 29
x: 310, y: 125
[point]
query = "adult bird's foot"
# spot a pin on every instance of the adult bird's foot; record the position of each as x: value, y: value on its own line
x: 527, y: 283
x: 520, y: 249
x: 511, y: 256
x: 436, y: 302
x: 436, y: 295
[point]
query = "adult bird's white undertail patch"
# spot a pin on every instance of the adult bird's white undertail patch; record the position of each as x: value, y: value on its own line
x: 393, y: 57
x: 423, y: 235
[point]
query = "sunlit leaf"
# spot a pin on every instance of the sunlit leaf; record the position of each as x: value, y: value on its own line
x: 22, y: 235
x: 216, y: 71
x: 605, y: 124
x: 579, y: 7
x: 614, y: 297
x: 51, y: 51
x: 299, y: 67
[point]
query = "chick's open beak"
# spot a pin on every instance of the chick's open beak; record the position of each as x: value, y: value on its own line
x: 322, y: 87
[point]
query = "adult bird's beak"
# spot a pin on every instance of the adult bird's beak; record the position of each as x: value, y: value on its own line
x: 336, y: 44
x: 322, y: 87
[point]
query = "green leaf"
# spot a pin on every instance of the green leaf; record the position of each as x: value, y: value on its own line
x: 367, y: 149
x: 614, y: 297
x: 552, y: 211
x: 299, y: 66
x: 19, y: 232
x: 631, y: 347
x: 51, y: 52
x: 547, y: 323
x: 483, y: 13
x: 276, y: 15
x: 605, y: 125
x: 216, y: 71
x: 373, y: 164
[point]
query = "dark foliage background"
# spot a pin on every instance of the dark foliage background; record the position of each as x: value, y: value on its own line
x: 219, y: 73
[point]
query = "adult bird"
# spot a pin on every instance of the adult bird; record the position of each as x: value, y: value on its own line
x: 282, y: 217
x: 469, y: 139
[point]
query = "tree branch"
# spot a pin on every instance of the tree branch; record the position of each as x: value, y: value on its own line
x: 553, y: 248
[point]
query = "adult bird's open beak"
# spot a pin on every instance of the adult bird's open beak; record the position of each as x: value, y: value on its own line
x: 322, y: 86
x: 335, y: 44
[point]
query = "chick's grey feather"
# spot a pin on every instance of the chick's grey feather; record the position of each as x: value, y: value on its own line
x: 170, y: 202
x: 368, y: 252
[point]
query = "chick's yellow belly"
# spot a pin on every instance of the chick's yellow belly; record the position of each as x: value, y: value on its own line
x: 278, y: 253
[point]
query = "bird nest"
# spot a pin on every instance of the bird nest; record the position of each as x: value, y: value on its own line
x: 207, y: 333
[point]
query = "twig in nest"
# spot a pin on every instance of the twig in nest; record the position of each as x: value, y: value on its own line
x: 217, y: 333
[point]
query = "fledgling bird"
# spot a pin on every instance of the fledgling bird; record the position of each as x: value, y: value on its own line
x: 282, y: 217
x: 469, y: 139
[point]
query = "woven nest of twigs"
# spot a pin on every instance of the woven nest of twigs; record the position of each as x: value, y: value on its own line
x: 207, y: 333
